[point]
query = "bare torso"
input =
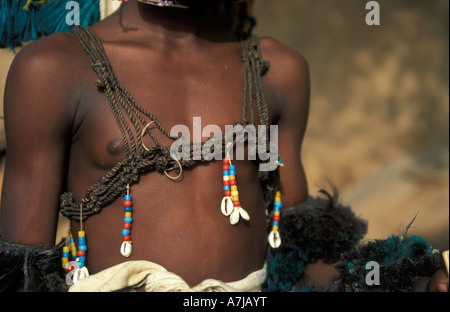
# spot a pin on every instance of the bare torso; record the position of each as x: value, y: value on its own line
x: 176, y: 224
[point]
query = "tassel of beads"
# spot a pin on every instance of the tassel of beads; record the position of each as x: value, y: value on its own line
x: 81, y: 271
x: 65, y: 256
x: 126, y: 249
x: 73, y: 247
x: 231, y: 206
x: 69, y: 253
x: 82, y: 248
x: 274, y: 236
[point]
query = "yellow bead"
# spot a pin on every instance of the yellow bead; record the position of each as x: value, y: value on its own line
x: 278, y: 194
x: 235, y: 198
x: 81, y: 234
x: 275, y: 228
x: 234, y: 188
x: 234, y: 193
x: 127, y: 214
x: 65, y: 249
x: 277, y: 213
x: 232, y: 177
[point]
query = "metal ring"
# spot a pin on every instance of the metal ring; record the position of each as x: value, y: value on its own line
x: 142, y: 135
x: 181, y: 170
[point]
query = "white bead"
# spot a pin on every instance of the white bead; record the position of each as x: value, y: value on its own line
x: 126, y: 249
x: 274, y: 239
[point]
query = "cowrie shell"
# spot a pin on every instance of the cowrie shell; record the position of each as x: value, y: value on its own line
x: 227, y: 206
x: 126, y: 249
x: 79, y: 274
x: 274, y: 239
x: 234, y: 218
x: 244, y: 214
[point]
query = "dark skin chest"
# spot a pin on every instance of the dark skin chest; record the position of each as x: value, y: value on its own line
x: 175, y: 83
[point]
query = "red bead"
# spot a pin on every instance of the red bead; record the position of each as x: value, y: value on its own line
x: 81, y: 253
x: 127, y: 238
x: 225, y: 167
x: 127, y: 203
x: 126, y: 225
x: 226, y: 161
x: 227, y: 193
x: 233, y: 182
x: 70, y: 268
x: 226, y: 183
x: 276, y: 218
x: 237, y: 204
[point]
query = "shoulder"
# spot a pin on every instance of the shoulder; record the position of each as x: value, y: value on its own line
x: 44, y: 81
x: 288, y: 75
x: 53, y: 55
x: 49, y: 69
x: 286, y: 63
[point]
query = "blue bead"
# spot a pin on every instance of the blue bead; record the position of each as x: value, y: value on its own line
x: 277, y: 209
x: 125, y: 232
x: 232, y: 172
x: 71, y: 239
x: 128, y: 209
x: 275, y: 223
x: 65, y: 255
x: 280, y: 160
x: 81, y: 240
x: 128, y: 220
x: 82, y: 259
x: 278, y: 204
x: 226, y: 173
x: 227, y: 188
x: 127, y: 197
x: 82, y: 248
x: 80, y: 264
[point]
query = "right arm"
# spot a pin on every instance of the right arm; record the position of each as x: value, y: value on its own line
x: 39, y: 106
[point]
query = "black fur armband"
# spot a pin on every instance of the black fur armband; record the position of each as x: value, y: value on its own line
x: 30, y: 268
x: 319, y: 229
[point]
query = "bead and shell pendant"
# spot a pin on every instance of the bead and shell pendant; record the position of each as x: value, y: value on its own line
x: 126, y: 248
x: 231, y: 206
x: 274, y: 236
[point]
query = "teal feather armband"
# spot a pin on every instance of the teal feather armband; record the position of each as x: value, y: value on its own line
x: 400, y: 263
x: 319, y: 229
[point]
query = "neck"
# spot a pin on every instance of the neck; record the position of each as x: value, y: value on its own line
x: 196, y: 20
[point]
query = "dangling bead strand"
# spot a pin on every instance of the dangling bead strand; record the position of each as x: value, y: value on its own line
x: 65, y: 257
x: 73, y: 247
x: 231, y: 205
x: 274, y: 236
x: 126, y: 249
x: 82, y: 248
x: 81, y: 271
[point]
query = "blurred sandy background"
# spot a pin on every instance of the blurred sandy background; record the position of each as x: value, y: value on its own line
x: 379, y: 125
